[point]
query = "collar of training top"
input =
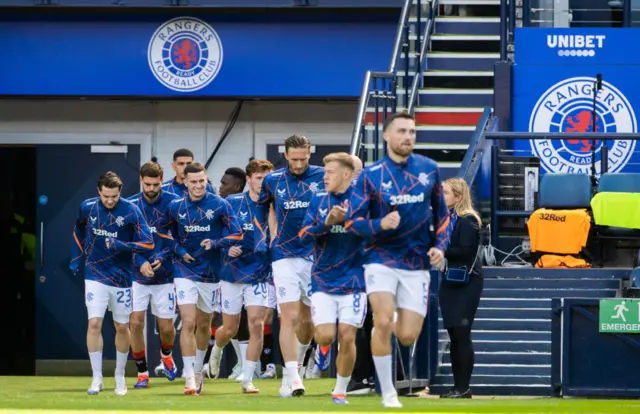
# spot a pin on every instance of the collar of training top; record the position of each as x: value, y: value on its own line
x: 401, y: 164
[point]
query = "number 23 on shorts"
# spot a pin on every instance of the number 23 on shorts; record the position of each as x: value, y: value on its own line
x: 124, y: 296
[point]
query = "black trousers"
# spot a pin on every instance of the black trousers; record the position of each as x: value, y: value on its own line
x: 458, y: 305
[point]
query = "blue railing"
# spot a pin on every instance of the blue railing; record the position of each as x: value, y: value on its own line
x: 473, y: 156
x: 421, y: 64
x: 614, y: 13
x: 380, y: 89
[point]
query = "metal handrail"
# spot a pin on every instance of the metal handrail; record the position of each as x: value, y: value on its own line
x: 364, y: 96
x: 478, y: 135
x: 363, y: 105
x: 428, y: 29
x: 362, y: 109
x: 402, y: 23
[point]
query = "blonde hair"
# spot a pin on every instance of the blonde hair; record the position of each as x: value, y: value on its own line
x: 342, y: 158
x: 459, y: 188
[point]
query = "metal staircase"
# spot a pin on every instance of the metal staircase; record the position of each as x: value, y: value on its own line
x: 442, y: 71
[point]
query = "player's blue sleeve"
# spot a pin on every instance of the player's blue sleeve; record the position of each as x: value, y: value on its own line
x: 139, y: 260
x: 358, y: 220
x: 230, y: 221
x: 266, y: 192
x: 441, y: 216
x: 166, y: 228
x: 178, y: 250
x: 77, y: 242
x: 168, y: 246
x: 143, y: 239
x: 312, y: 226
x: 164, y: 232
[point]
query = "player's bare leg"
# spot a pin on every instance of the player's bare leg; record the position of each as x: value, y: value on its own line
x: 268, y: 367
x: 202, y: 333
x: 255, y: 315
x: 224, y: 333
x: 384, y: 306
x: 167, y: 337
x: 289, y: 319
x: 123, y: 342
x: 136, y: 324
x: 304, y: 334
x: 345, y: 361
x: 212, y: 338
x: 95, y: 346
x: 408, y: 327
x: 188, y: 346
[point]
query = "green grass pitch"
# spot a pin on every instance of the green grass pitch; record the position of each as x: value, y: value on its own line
x: 53, y: 395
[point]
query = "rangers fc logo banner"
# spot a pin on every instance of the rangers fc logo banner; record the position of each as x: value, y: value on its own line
x: 554, y: 76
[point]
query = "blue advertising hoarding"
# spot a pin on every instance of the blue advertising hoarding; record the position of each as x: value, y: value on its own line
x: 554, y: 77
x: 205, y: 56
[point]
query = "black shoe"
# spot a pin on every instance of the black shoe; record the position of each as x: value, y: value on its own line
x: 363, y: 387
x: 458, y: 394
x: 450, y: 394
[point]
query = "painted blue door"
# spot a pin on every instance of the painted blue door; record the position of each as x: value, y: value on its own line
x: 67, y: 175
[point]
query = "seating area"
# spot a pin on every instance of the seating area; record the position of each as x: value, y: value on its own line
x: 615, y: 208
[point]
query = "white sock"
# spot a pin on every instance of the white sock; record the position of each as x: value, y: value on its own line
x: 121, y: 363
x: 96, y: 364
x: 243, y: 352
x: 188, y: 362
x: 199, y: 361
x: 236, y: 347
x: 302, y: 351
x: 216, y: 351
x: 341, y: 385
x: 383, y: 368
x: 249, y: 368
x: 292, y: 371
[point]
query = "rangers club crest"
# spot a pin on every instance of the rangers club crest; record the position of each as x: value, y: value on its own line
x: 185, y: 54
x: 566, y: 107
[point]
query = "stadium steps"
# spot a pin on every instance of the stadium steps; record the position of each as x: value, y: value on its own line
x: 512, y: 329
x: 458, y: 81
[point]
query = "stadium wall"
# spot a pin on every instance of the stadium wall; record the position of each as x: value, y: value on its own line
x: 172, y: 124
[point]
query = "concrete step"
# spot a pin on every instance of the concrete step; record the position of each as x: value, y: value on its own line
x: 509, y: 346
x: 514, y: 313
x: 487, y: 324
x: 436, y: 115
x: 503, y: 369
x: 534, y: 390
x: 533, y: 273
x: 462, y: 61
x: 447, y: 380
x: 505, y: 335
x: 504, y: 357
x: 548, y: 293
x: 437, y: 134
x: 527, y: 283
x: 454, y: 97
x: 512, y: 303
x: 458, y: 79
x: 485, y: 22
x: 467, y: 25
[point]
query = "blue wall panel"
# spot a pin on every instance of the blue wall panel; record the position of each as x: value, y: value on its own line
x: 263, y: 55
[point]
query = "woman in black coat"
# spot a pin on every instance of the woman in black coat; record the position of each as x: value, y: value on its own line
x: 459, y: 302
